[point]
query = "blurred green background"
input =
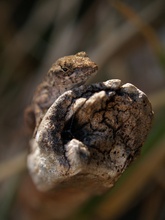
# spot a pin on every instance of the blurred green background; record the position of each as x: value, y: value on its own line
x: 127, y: 40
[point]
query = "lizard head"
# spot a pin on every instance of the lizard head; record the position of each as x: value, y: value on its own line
x: 71, y: 71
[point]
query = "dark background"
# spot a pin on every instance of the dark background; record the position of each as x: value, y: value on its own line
x: 127, y: 40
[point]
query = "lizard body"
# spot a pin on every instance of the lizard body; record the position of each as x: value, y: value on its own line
x: 84, y: 137
x: 66, y: 73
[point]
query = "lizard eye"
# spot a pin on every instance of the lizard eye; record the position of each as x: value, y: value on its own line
x: 64, y: 69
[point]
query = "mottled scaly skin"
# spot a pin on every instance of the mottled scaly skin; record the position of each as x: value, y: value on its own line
x: 65, y: 74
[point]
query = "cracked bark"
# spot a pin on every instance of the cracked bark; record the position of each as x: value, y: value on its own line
x: 86, y: 140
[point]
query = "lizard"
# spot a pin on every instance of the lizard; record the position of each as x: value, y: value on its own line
x: 65, y: 74
x: 84, y: 134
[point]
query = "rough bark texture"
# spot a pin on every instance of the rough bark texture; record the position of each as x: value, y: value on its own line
x: 89, y: 136
x: 84, y: 137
